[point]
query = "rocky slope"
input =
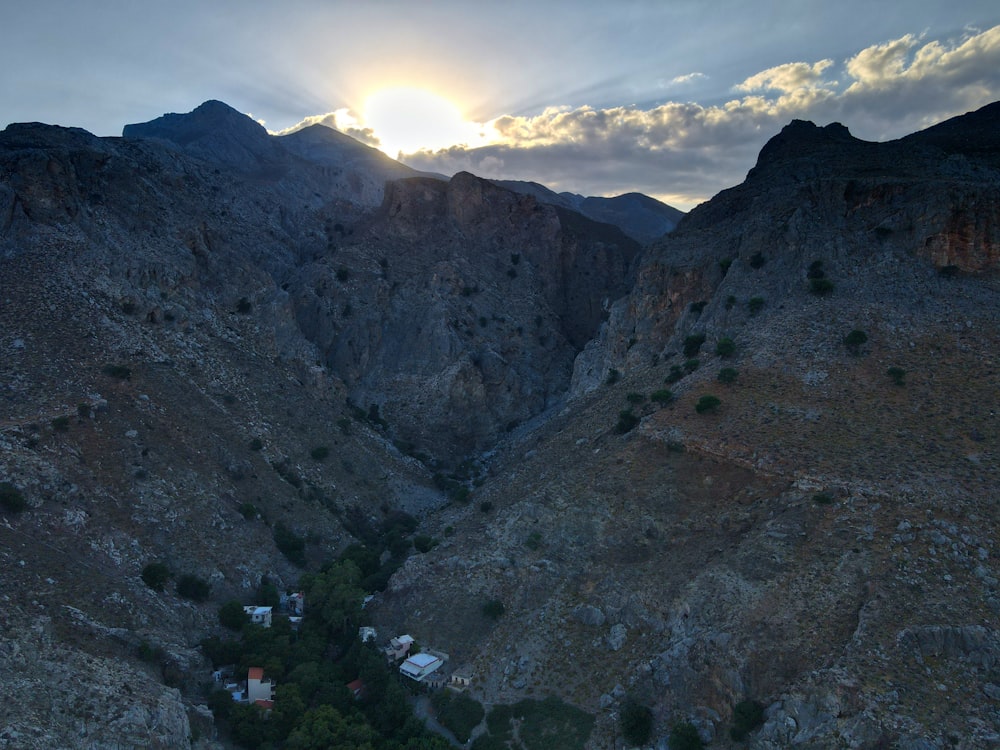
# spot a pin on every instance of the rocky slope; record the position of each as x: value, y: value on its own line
x: 190, y: 313
x: 823, y: 541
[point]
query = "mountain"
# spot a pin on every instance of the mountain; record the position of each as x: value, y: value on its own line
x: 235, y: 355
x: 642, y: 218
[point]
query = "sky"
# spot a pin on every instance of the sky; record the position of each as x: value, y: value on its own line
x: 672, y: 98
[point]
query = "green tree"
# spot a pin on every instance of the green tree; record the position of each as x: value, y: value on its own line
x: 12, y: 500
x: 291, y: 545
x: 725, y: 347
x: 662, y: 396
x: 898, y: 375
x: 192, y: 587
x: 755, y: 305
x: 854, y: 340
x: 820, y: 287
x: 692, y: 344
x: 493, y: 609
x: 155, y: 575
x: 684, y: 736
x: 636, y: 722
x: 232, y: 616
x: 707, y: 403
x: 325, y: 728
x: 626, y: 421
x: 747, y: 716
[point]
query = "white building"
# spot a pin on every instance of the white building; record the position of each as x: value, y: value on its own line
x: 419, y: 666
x: 366, y: 634
x: 259, y: 615
x: 399, y: 647
x: 258, y: 689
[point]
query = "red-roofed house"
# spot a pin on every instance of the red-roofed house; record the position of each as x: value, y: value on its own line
x: 258, y: 689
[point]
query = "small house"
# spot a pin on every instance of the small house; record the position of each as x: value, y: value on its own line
x: 461, y: 678
x: 257, y: 687
x: 259, y: 615
x: 398, y: 647
x: 419, y: 666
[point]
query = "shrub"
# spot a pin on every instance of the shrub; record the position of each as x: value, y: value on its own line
x: 343, y: 274
x: 155, y: 575
x: 291, y: 545
x: 636, y: 723
x: 691, y: 365
x: 707, y: 403
x: 613, y: 376
x: 320, y: 453
x: 192, y: 587
x: 822, y: 498
x: 485, y: 506
x: 747, y: 716
x: 493, y: 609
x: 684, y: 736
x: 11, y: 498
x: 730, y: 302
x: 757, y: 260
x: 248, y: 511
x: 692, y: 344
x: 423, y: 543
x: 854, y: 340
x: 725, y: 264
x: 820, y: 287
x: 117, y: 371
x: 725, y: 347
x: 756, y: 304
x: 635, y: 398
x: 534, y: 540
x: 232, y: 616
x: 816, y: 270
x: 256, y: 444
x: 344, y: 425
x: 60, y: 423
x: 243, y: 306
x: 626, y: 421
x: 697, y: 307
x: 661, y: 396
x: 674, y: 375
x: 898, y: 375
x: 728, y: 375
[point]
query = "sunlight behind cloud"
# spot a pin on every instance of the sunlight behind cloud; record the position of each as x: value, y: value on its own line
x: 406, y: 120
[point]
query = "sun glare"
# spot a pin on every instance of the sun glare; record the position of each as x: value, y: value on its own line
x: 407, y: 119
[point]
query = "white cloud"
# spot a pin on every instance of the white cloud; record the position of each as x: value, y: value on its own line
x: 688, y: 151
x: 342, y: 119
x: 788, y: 77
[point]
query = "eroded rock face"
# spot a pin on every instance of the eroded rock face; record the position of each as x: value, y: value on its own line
x: 458, y: 308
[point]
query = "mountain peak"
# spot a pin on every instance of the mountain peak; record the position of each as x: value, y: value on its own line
x: 802, y: 138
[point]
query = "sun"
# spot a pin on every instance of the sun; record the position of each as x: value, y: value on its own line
x: 407, y: 119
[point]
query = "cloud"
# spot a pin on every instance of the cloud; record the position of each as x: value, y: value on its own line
x: 788, y: 77
x: 343, y: 120
x: 684, y: 80
x: 684, y: 152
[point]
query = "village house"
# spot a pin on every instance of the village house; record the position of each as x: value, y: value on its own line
x: 420, y: 666
x: 461, y: 678
x: 398, y: 647
x: 259, y: 615
x: 259, y: 690
x: 294, y: 603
